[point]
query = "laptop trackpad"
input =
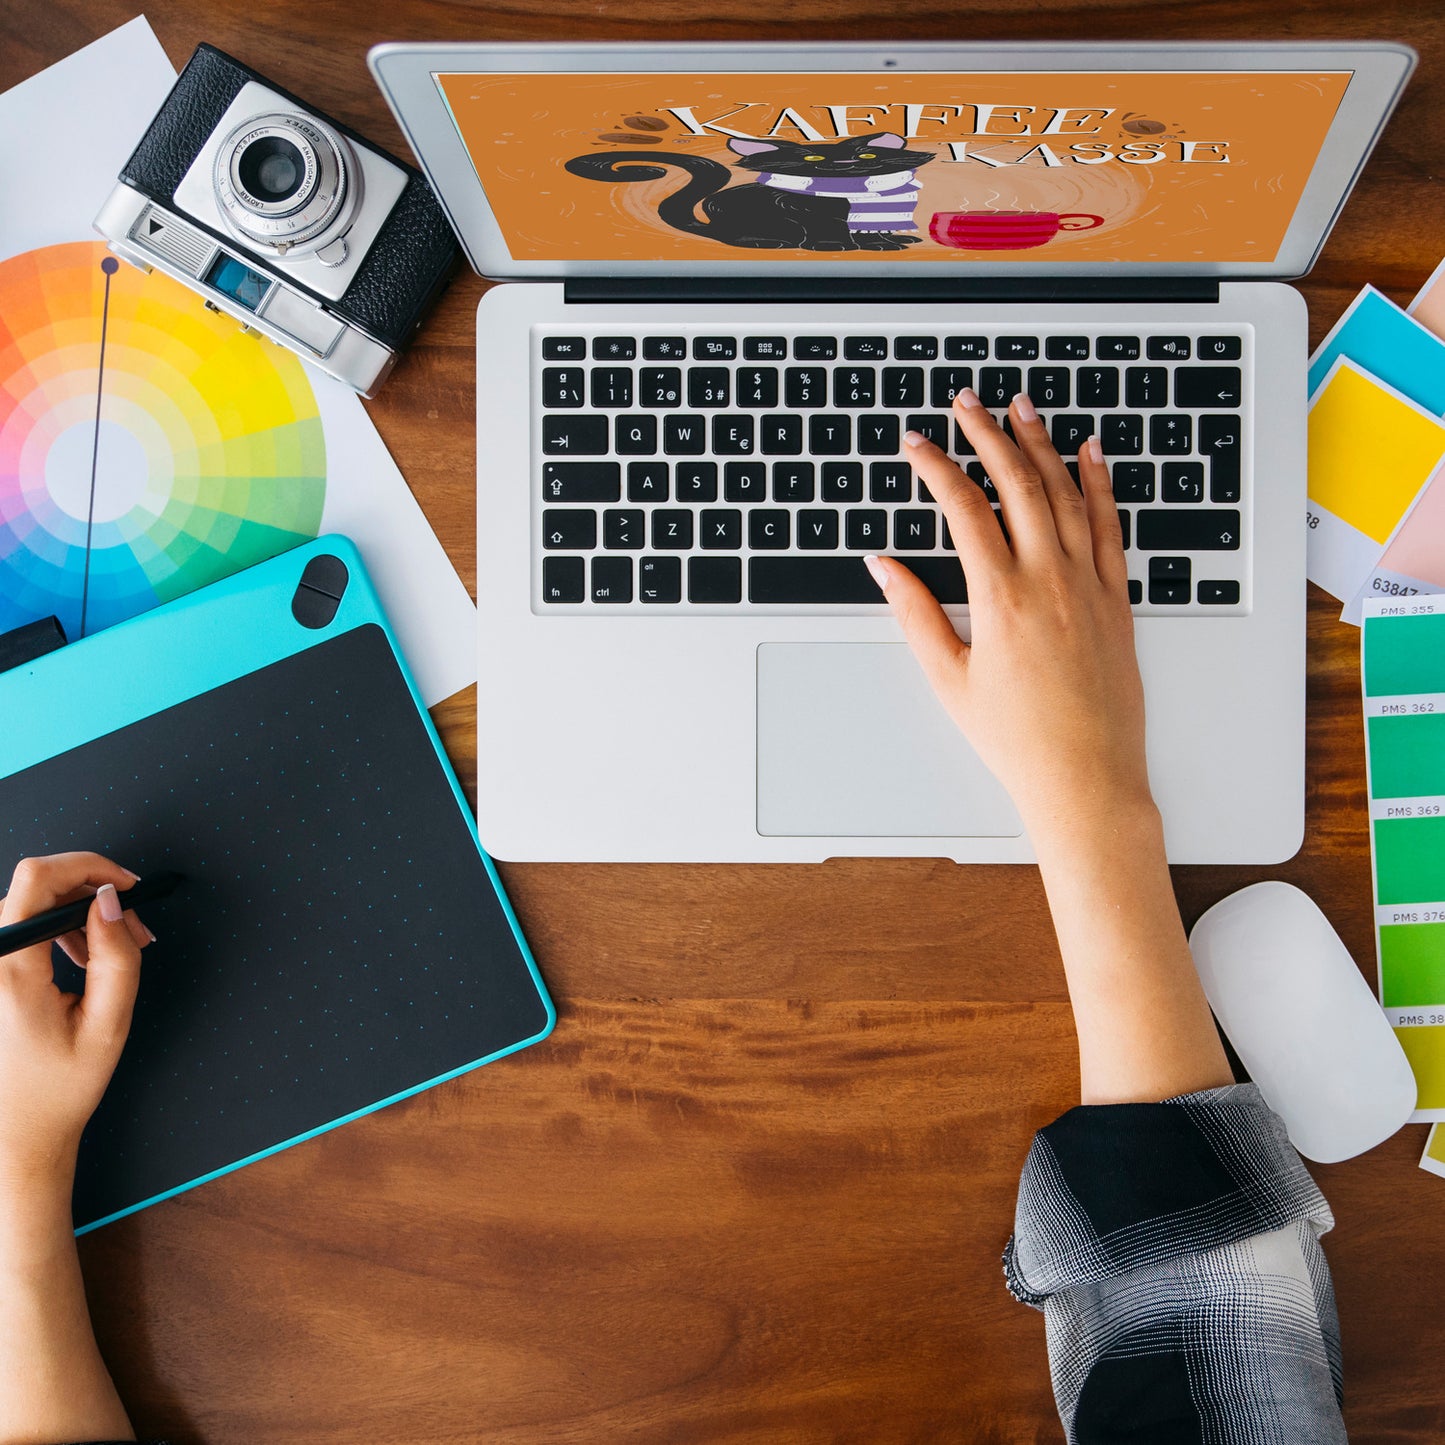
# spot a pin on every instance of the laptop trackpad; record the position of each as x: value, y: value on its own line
x: 852, y: 743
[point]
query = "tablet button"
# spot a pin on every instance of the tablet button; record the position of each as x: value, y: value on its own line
x: 312, y: 608
x: 326, y: 573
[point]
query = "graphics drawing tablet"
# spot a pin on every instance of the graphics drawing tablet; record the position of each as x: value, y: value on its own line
x: 341, y: 941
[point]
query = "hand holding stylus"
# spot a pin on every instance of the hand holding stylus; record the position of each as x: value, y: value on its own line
x: 58, y: 1050
x: 57, y: 1053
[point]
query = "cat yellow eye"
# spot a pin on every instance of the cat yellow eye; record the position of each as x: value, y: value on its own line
x: 815, y: 158
x: 868, y: 156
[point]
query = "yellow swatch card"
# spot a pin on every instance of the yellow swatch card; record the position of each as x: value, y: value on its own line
x: 1433, y: 1158
x: 1371, y: 450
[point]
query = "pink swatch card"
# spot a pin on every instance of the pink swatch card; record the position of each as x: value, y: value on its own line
x: 1428, y: 307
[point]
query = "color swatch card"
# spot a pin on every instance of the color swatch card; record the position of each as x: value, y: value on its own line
x: 1390, y: 344
x: 1433, y: 1158
x: 1371, y: 451
x: 147, y: 446
x: 1413, y: 562
x: 1403, y: 671
x: 1428, y: 307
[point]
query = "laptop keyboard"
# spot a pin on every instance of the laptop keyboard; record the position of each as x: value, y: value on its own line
x: 723, y: 471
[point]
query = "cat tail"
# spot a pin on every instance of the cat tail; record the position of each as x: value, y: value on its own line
x: 678, y: 209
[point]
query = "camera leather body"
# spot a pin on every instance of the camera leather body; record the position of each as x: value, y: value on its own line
x: 413, y: 256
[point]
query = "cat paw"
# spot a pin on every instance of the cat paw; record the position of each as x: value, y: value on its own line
x: 884, y: 241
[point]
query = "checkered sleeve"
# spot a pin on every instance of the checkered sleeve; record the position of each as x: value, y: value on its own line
x: 1174, y: 1251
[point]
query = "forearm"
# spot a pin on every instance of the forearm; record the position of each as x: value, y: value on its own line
x: 56, y: 1384
x: 1144, y: 1026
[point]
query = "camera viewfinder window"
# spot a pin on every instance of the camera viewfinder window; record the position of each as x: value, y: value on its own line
x: 243, y: 285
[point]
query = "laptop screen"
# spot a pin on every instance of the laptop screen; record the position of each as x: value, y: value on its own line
x: 1141, y: 167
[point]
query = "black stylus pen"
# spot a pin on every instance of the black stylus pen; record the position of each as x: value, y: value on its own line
x: 47, y: 926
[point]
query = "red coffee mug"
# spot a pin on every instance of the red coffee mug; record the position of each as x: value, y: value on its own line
x: 1005, y: 230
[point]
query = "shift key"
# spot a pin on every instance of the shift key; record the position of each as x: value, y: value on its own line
x: 581, y: 481
x: 1186, y: 529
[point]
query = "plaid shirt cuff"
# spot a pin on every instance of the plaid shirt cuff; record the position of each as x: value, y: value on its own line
x: 1111, y: 1188
x: 1174, y: 1251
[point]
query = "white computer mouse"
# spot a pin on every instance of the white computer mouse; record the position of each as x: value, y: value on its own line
x: 1303, y: 1021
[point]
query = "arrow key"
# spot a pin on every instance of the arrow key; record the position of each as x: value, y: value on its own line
x: 1223, y: 594
x: 1169, y: 569
x: 1168, y: 580
x: 572, y: 530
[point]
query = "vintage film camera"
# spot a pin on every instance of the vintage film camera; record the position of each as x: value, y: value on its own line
x: 283, y: 218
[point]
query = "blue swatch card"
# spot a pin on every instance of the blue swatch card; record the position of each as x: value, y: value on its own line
x: 1382, y: 339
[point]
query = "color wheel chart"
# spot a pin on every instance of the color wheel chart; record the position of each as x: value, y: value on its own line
x: 147, y: 445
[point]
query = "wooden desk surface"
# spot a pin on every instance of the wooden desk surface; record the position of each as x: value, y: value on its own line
x: 755, y: 1187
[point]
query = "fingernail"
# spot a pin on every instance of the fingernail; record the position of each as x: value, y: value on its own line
x: 110, y: 908
x: 914, y: 438
x: 1095, y: 449
x: 134, y: 877
x: 877, y: 571
x: 1025, y: 407
x: 150, y: 937
x: 967, y: 398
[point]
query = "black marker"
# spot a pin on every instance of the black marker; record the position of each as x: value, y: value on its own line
x: 48, y: 926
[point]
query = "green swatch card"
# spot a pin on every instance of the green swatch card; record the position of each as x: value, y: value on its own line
x: 1403, y: 667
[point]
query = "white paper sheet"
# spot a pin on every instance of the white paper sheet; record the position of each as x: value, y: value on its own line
x: 64, y: 135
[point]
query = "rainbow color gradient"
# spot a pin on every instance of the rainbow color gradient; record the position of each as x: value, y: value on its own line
x: 208, y: 455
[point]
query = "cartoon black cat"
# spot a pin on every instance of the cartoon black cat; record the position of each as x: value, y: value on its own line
x: 849, y: 195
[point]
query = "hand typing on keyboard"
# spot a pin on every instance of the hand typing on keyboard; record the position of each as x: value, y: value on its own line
x: 1048, y: 690
x: 1048, y: 693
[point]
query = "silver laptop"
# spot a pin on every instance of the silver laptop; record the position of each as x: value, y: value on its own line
x: 735, y: 275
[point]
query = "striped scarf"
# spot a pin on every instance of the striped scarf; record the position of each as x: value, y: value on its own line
x: 875, y: 203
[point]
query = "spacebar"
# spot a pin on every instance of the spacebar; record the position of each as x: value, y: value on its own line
x: 844, y: 579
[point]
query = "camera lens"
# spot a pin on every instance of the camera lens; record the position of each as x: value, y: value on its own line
x: 271, y: 169
x: 287, y: 182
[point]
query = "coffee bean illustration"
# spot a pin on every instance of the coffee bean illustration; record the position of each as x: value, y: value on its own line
x: 645, y: 122
x: 628, y: 138
x: 1144, y: 127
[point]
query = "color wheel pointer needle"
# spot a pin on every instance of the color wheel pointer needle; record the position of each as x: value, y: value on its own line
x: 110, y: 266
